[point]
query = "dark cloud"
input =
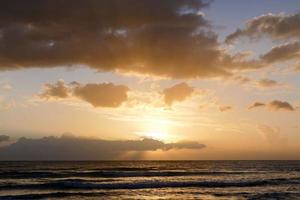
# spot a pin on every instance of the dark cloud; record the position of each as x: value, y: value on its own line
x: 225, y: 108
x: 280, y: 105
x: 167, y: 38
x: 282, y: 53
x: 177, y: 93
x: 73, y: 148
x: 184, y: 145
x: 4, y: 138
x: 275, y: 105
x: 268, y: 83
x: 56, y: 90
x: 276, y: 26
x: 99, y: 95
x: 256, y: 105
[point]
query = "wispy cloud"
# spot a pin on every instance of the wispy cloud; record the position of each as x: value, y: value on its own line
x: 271, y: 134
x: 269, y: 83
x: 225, y: 108
x: 256, y: 105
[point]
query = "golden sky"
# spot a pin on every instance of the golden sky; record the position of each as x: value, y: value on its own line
x: 140, y: 79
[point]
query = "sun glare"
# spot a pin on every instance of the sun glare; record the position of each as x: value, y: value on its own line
x: 157, y: 135
x: 157, y: 128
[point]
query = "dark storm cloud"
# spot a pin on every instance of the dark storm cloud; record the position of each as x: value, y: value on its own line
x: 282, y: 53
x: 4, y: 138
x: 167, y: 38
x: 177, y: 93
x: 73, y: 148
x: 276, y: 26
x: 99, y: 95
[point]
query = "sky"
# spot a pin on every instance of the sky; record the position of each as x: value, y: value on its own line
x: 141, y: 79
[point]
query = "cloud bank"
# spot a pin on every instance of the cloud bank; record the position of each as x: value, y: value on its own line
x: 73, y: 148
x: 4, y: 138
x: 169, y: 38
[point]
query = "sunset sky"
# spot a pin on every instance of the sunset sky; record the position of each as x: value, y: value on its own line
x: 205, y: 79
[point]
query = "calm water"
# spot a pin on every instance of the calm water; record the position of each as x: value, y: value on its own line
x: 150, y: 180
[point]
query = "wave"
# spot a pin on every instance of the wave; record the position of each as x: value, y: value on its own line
x: 114, y: 174
x: 276, y: 195
x: 98, y: 195
x: 53, y: 195
x: 78, y: 184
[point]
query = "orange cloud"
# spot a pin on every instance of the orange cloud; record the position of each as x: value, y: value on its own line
x: 102, y: 95
x: 177, y: 93
x: 99, y: 95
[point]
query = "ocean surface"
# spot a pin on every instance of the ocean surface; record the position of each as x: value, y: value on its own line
x: 150, y: 180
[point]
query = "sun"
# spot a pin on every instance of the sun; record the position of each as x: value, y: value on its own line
x: 157, y: 135
x: 156, y: 128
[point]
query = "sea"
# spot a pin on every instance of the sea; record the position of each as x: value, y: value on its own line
x: 150, y: 180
